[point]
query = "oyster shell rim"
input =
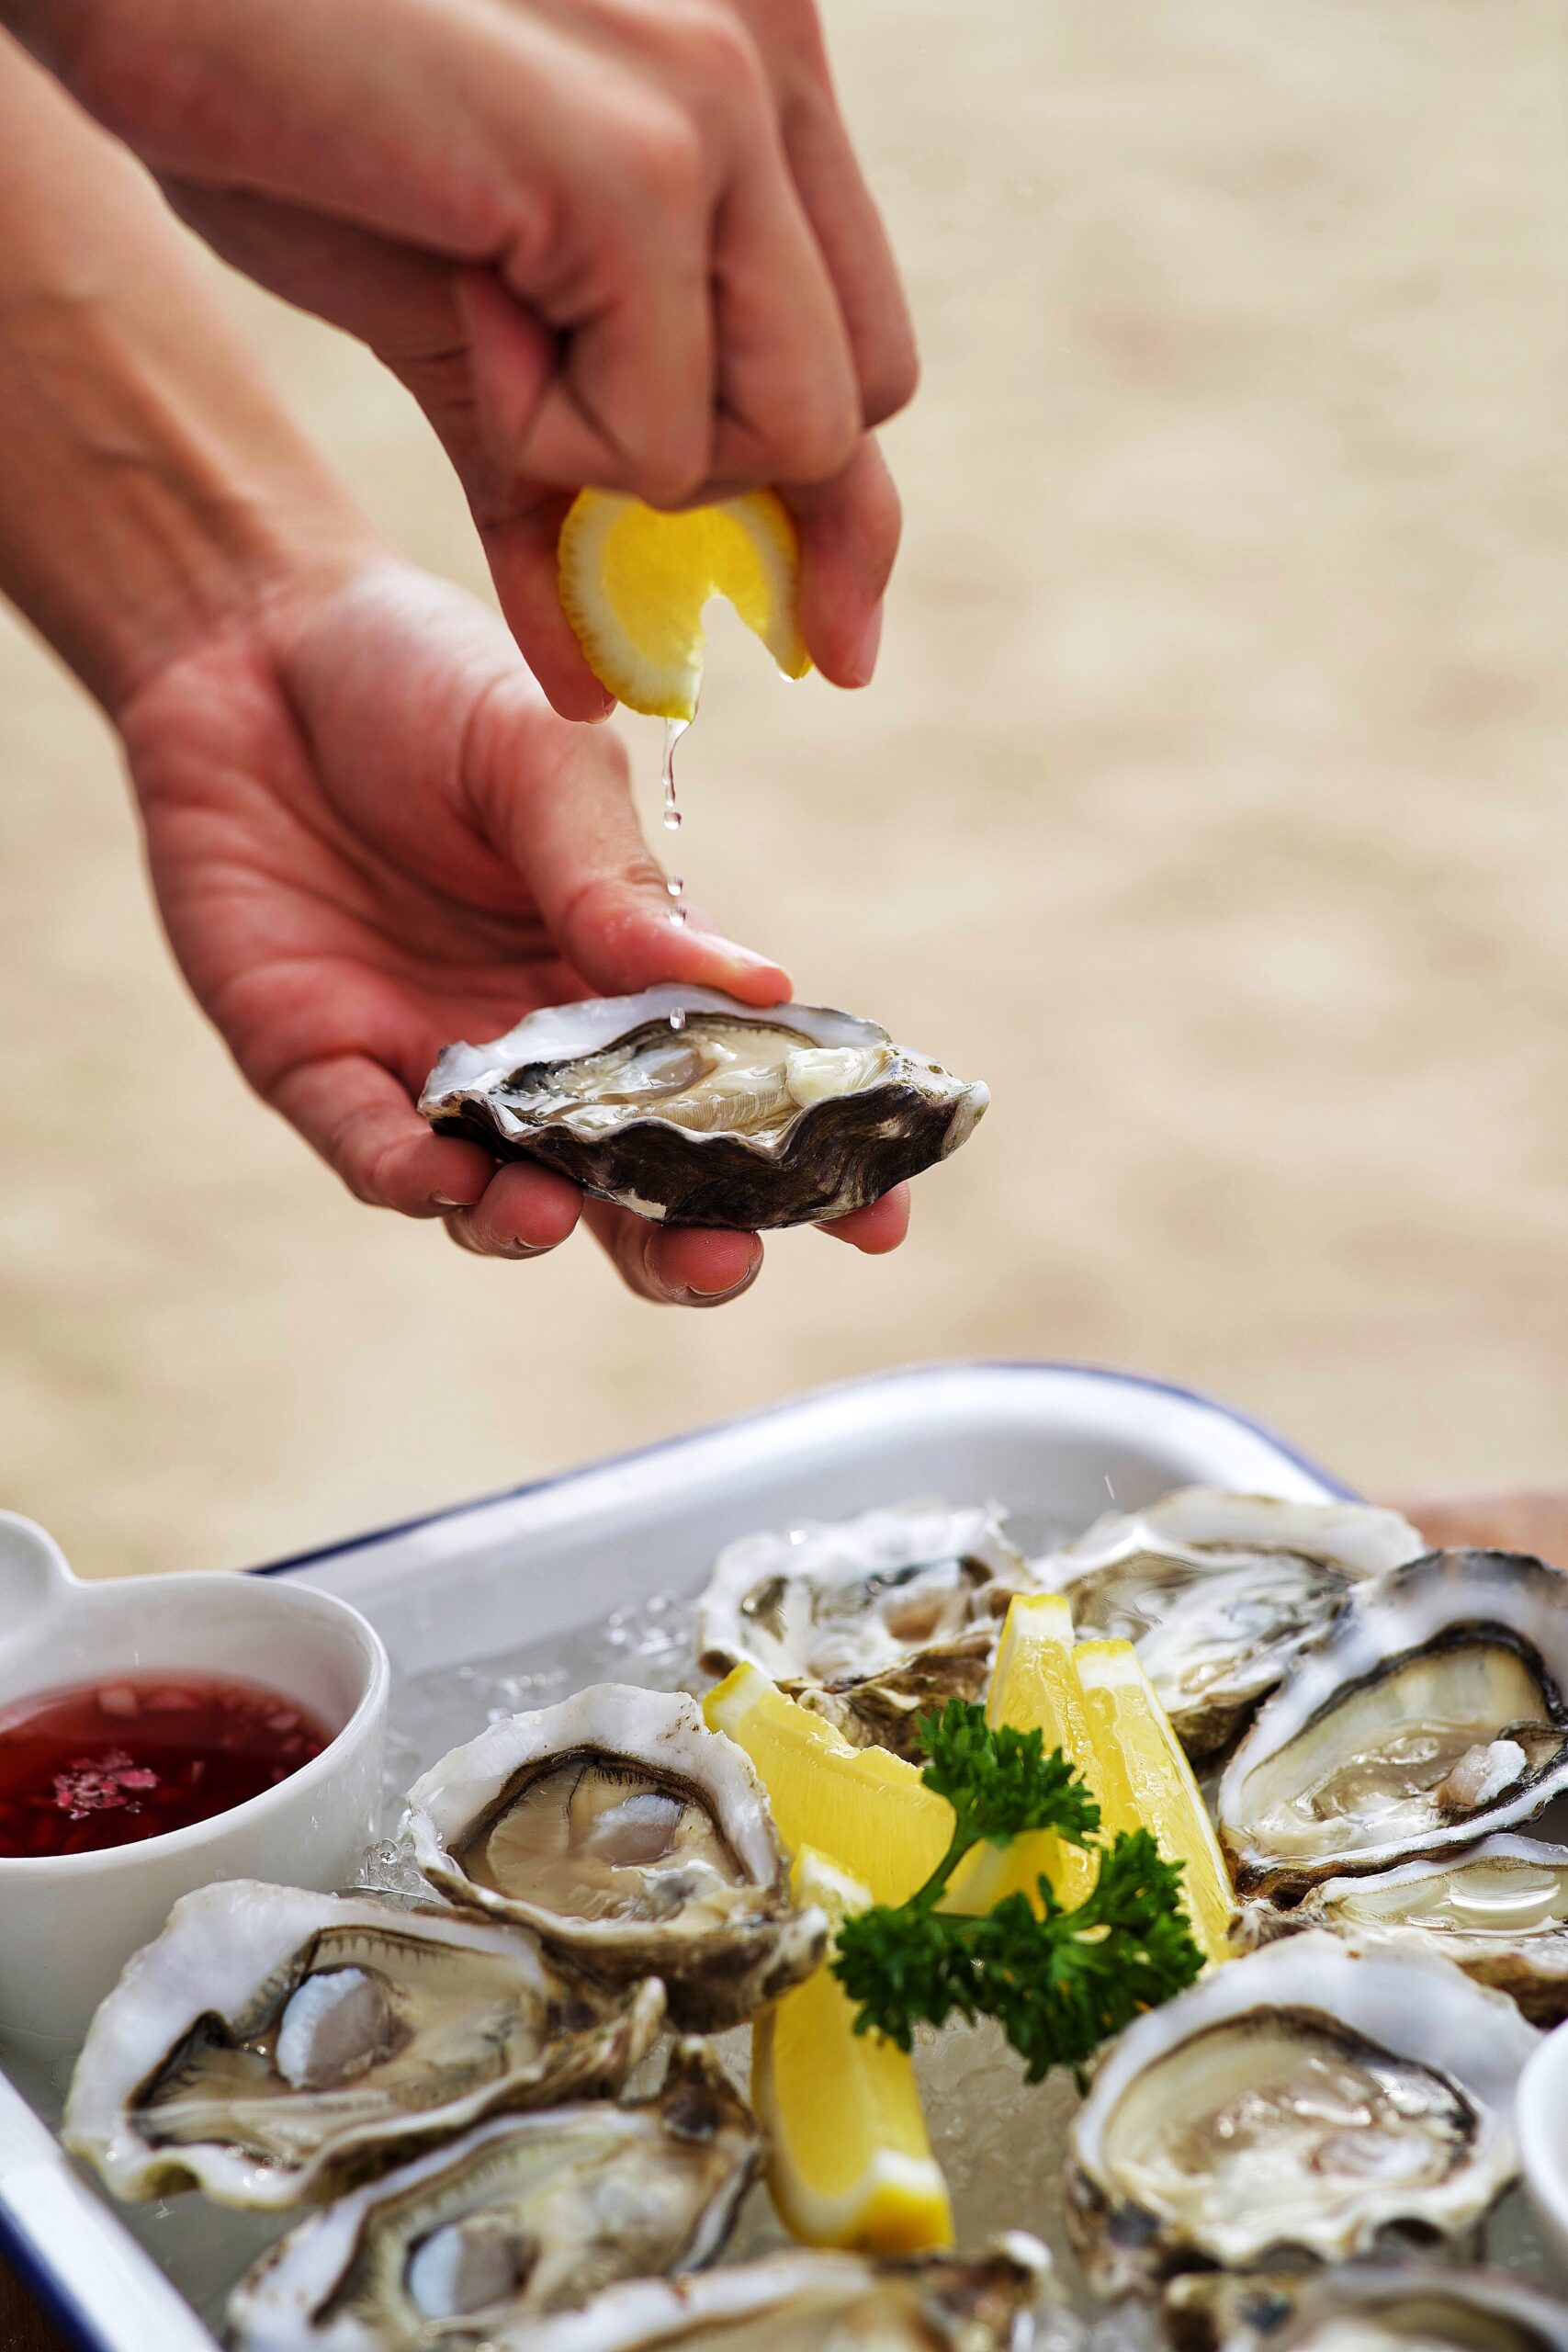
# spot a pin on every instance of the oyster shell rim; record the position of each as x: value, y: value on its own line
x: 457, y: 1100
x: 97, y: 2124
x: 757, y: 1956
x: 1209, y: 1727
x: 1257, y: 1872
x: 1262, y: 1922
x: 269, y: 2310
x: 1124, y: 2248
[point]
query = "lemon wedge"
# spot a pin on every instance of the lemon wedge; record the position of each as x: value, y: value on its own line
x: 849, y: 2161
x: 1034, y: 1685
x: 634, y: 583
x: 1143, y: 1781
x: 865, y: 1808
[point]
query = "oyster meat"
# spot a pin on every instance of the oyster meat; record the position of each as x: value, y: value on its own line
x: 273, y: 2045
x: 523, y: 2215
x: 1432, y: 1713
x: 1295, y: 2104
x: 871, y: 1621
x: 1221, y: 1592
x: 812, y: 2302
x: 1498, y: 1910
x: 633, y: 1841
x: 687, y: 1104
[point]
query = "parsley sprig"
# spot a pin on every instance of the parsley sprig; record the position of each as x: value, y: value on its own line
x: 1060, y: 1981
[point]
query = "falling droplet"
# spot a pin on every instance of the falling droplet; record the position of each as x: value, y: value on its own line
x: 673, y: 730
x: 674, y: 886
x: 679, y: 914
x: 677, y: 1019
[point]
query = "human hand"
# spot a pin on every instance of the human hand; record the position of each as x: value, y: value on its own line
x: 599, y: 242
x: 368, y: 835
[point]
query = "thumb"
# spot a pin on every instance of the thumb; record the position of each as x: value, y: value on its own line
x: 555, y: 801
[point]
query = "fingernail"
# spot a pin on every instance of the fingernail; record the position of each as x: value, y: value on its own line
x: 443, y: 1203
x: 862, y: 661
x: 695, y: 1295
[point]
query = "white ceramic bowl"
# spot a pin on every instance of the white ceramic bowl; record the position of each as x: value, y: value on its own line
x: 69, y: 1922
x: 1541, y: 2119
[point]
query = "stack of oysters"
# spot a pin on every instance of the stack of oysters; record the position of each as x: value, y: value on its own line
x: 473, y: 2091
x: 469, y: 2089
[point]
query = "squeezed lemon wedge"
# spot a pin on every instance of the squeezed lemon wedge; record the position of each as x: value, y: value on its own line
x: 634, y: 582
x: 1034, y: 1685
x: 866, y: 1808
x: 849, y: 2161
x: 1143, y: 1781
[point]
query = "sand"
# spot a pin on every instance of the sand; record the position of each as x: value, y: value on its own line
x: 1210, y: 804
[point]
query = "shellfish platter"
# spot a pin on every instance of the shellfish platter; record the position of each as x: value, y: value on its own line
x: 483, y: 2099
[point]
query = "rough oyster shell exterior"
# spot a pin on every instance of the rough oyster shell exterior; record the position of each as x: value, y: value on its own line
x: 833, y: 1154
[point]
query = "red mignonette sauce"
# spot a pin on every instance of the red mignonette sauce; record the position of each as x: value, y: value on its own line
x: 109, y: 1763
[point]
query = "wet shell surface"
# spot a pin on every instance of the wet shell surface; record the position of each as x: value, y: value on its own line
x: 1221, y: 1592
x: 1498, y: 1910
x: 1292, y: 2106
x: 633, y: 1841
x: 523, y: 2215
x: 1364, y: 2307
x: 273, y: 2046
x: 870, y: 1622
x: 1432, y: 1713
x: 685, y: 1105
x: 807, y: 2302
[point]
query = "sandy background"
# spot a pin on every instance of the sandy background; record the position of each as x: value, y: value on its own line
x: 1209, y: 803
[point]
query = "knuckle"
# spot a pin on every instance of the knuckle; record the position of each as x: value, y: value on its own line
x: 718, y: 54
x: 668, y: 160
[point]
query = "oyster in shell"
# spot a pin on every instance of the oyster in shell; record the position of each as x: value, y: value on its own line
x: 1221, y: 1592
x: 1370, y: 2307
x: 1295, y: 2105
x: 523, y: 2215
x: 687, y: 1104
x: 871, y: 1621
x: 1432, y: 1713
x: 272, y: 2045
x: 1498, y: 1910
x: 813, y: 2302
x: 631, y: 1840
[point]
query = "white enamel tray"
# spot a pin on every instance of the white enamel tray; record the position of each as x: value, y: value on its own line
x: 1056, y: 1444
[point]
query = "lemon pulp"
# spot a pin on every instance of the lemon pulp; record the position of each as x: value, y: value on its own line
x: 634, y: 582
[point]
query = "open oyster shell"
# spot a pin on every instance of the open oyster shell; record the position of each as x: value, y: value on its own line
x: 1498, y: 1910
x: 684, y: 1103
x: 1221, y: 1592
x: 1365, y: 2307
x: 869, y: 1621
x: 272, y: 2045
x: 1295, y: 2104
x: 805, y: 2301
x: 523, y: 2215
x: 631, y: 1840
x: 1432, y: 1713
